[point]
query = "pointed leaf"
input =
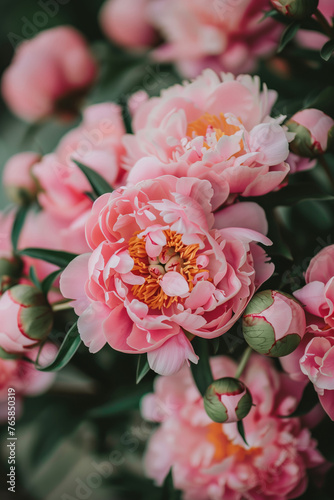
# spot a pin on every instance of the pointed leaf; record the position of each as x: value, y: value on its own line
x: 99, y: 184
x: 241, y: 431
x: 66, y: 351
x: 168, y: 490
x: 327, y: 50
x: 18, y: 224
x: 48, y: 281
x: 33, y: 277
x: 202, y: 371
x: 288, y: 34
x: 56, y: 257
x: 142, y: 368
x: 117, y: 407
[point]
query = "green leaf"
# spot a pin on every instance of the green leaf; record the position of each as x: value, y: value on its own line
x: 48, y: 281
x: 66, y: 351
x: 294, y: 193
x: 202, y: 371
x: 269, y: 13
x: 18, y: 224
x: 142, y: 368
x: 241, y: 431
x: 99, y: 185
x: 33, y: 277
x: 7, y: 355
x: 288, y: 34
x: 56, y: 257
x: 327, y: 50
x: 306, y: 404
x: 117, y: 407
x: 168, y: 490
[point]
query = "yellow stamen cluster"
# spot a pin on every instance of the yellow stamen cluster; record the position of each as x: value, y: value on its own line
x: 219, y: 125
x: 151, y: 292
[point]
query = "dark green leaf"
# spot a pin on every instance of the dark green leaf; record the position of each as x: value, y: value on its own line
x: 99, y: 185
x: 241, y: 431
x: 306, y: 404
x: 142, y: 368
x: 288, y: 34
x: 66, y: 351
x: 48, y: 281
x: 292, y: 194
x: 215, y: 344
x: 18, y: 224
x: 327, y: 50
x: 202, y: 372
x: 117, y: 407
x: 58, y: 258
x: 33, y: 277
x: 168, y: 490
x: 269, y: 13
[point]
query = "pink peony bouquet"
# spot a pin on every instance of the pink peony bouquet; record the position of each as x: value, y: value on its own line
x: 163, y: 239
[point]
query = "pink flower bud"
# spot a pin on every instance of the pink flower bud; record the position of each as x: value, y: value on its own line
x: 314, y: 131
x: 26, y: 318
x: 274, y: 323
x: 18, y: 179
x: 227, y: 400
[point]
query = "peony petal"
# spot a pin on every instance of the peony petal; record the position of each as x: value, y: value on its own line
x: 170, y: 357
x: 174, y: 284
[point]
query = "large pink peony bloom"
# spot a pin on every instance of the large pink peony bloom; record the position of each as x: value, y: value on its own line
x: 314, y: 356
x: 222, y: 35
x: 217, y: 128
x: 52, y: 66
x: 22, y: 376
x: 213, y: 462
x: 162, y: 266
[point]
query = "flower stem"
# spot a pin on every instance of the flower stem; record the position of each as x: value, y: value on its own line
x: 327, y: 28
x: 325, y: 166
x: 61, y: 306
x: 243, y: 362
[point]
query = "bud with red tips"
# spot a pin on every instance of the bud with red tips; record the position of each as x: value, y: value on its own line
x: 227, y: 400
x: 26, y: 318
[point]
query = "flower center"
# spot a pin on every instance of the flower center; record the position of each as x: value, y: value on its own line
x: 224, y: 447
x: 175, y: 256
x: 208, y: 124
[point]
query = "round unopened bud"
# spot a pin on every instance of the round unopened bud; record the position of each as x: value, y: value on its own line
x: 18, y: 180
x: 227, y: 400
x: 314, y: 132
x: 26, y: 318
x: 296, y: 9
x: 10, y: 272
x: 273, y: 323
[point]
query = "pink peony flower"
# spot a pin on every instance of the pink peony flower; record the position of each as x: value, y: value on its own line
x: 159, y: 267
x: 213, y: 461
x: 216, y: 128
x: 49, y: 68
x: 314, y: 356
x: 127, y: 23
x: 317, y: 295
x: 22, y: 376
x: 96, y: 142
x: 219, y: 35
x: 17, y: 176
